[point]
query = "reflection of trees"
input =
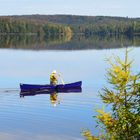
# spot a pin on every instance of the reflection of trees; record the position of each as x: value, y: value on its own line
x: 31, y: 41
x: 106, y: 42
x: 67, y: 42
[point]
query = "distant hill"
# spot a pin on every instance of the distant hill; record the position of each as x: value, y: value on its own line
x: 74, y: 19
x: 65, y: 24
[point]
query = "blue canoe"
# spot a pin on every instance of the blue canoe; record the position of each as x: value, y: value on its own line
x: 50, y: 88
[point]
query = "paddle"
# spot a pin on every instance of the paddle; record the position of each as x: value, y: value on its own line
x: 63, y: 84
x: 61, y: 79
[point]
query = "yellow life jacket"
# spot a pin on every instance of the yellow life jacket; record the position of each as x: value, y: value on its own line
x: 53, y: 79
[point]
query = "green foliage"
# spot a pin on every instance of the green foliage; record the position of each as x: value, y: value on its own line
x: 124, y: 98
x: 86, y: 25
x: 109, y: 28
x: 22, y: 26
x: 56, y: 30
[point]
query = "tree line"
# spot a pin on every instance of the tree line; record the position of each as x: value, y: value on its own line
x: 16, y: 27
x: 59, y: 25
x: 129, y: 28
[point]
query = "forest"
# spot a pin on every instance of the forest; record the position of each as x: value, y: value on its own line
x: 12, y: 26
x: 61, y: 25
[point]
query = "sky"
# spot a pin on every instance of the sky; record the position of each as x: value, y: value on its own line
x: 123, y: 8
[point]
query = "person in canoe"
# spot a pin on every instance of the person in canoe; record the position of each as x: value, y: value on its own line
x: 54, y: 78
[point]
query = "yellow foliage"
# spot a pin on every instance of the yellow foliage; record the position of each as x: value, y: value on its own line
x: 88, y: 135
x: 106, y: 119
x: 124, y: 99
x: 119, y: 76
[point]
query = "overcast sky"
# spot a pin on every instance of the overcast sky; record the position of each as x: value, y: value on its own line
x: 130, y: 8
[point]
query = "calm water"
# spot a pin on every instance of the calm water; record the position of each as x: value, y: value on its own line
x: 34, y: 117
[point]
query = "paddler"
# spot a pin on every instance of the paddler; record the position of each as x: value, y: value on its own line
x: 54, y: 78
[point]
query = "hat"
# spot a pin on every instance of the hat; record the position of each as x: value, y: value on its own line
x: 54, y: 71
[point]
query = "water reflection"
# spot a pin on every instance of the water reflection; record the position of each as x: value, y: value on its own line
x: 67, y: 43
x: 54, y: 100
x: 30, y: 114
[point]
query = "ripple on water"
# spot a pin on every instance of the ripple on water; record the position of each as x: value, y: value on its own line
x: 34, y: 112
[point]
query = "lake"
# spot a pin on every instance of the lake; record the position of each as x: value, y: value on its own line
x: 31, y: 61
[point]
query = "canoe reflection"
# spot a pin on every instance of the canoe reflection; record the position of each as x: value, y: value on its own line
x: 53, y: 93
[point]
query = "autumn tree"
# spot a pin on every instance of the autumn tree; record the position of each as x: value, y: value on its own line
x: 123, y: 123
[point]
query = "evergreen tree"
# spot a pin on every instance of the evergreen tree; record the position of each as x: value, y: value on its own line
x: 124, y: 98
